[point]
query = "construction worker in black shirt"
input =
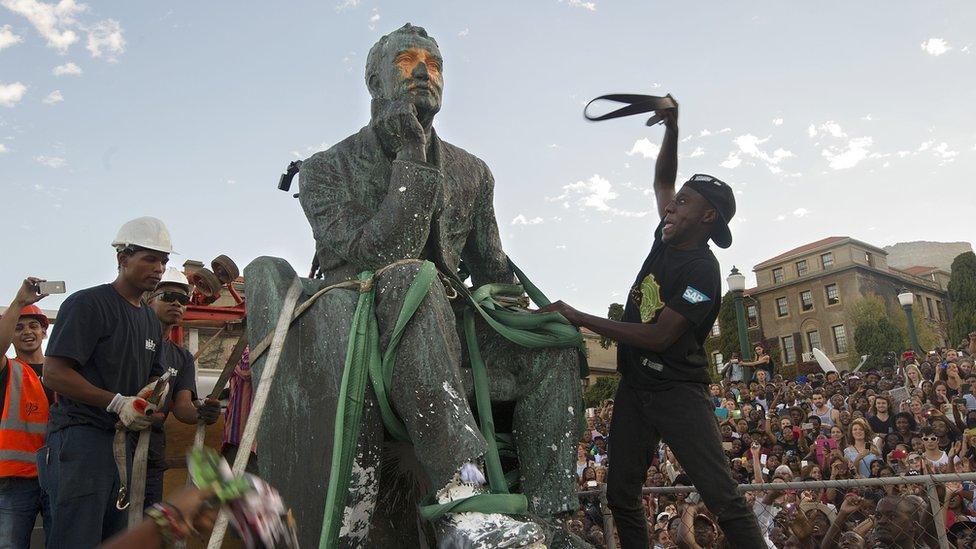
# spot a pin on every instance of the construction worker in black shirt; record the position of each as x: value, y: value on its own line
x: 99, y: 360
x: 663, y: 393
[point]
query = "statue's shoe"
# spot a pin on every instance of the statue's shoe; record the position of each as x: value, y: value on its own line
x: 487, y: 531
x: 475, y: 530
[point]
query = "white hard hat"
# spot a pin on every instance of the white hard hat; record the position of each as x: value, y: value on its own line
x: 174, y: 276
x: 145, y: 232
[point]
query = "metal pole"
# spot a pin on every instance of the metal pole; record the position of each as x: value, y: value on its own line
x: 745, y: 353
x: 607, y: 519
x: 937, y: 515
x: 912, y: 334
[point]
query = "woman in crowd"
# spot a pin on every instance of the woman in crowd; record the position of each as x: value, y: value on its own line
x: 860, y: 450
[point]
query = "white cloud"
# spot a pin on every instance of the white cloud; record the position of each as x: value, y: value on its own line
x: 50, y: 161
x: 705, y: 133
x: 105, y: 37
x: 942, y: 151
x: 3, y: 148
x: 464, y: 32
x: 67, y: 69
x: 8, y: 38
x: 867, y: 117
x: 725, y: 130
x: 935, y: 46
x: 522, y: 220
x: 53, y: 97
x: 780, y: 217
x: 347, y: 5
x: 732, y: 162
x: 596, y: 193
x: 697, y: 152
x: 52, y: 21
x: 801, y: 212
x: 589, y: 6
x: 374, y: 18
x: 750, y: 146
x: 645, y: 148
x: 851, y: 155
x: 11, y: 94
x: 926, y: 145
x: 811, y: 131
x: 777, y: 121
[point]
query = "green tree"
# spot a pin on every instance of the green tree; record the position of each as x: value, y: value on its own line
x: 962, y: 296
x: 603, y: 388
x: 616, y: 312
x: 874, y: 332
x: 728, y: 340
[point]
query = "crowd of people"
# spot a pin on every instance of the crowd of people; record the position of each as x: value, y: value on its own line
x: 915, y: 415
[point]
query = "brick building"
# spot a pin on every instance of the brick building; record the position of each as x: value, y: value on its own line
x: 799, y: 300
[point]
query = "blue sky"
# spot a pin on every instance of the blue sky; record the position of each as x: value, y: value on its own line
x: 828, y: 118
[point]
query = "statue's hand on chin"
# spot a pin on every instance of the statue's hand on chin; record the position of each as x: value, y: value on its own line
x: 401, y: 130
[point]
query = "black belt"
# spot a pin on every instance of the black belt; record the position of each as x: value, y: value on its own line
x: 637, y: 104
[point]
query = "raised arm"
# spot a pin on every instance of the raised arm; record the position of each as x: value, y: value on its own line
x: 666, y: 168
x: 8, y: 322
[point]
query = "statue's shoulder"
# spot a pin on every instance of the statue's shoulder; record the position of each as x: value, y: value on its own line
x: 338, y: 157
x: 454, y: 155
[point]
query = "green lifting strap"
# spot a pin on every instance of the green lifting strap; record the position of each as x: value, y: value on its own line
x: 363, y: 360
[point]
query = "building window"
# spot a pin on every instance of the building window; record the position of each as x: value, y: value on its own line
x: 801, y: 267
x: 827, y: 260
x: 752, y: 316
x: 718, y: 359
x: 806, y: 300
x: 716, y: 331
x: 940, y: 306
x: 833, y: 294
x: 813, y: 340
x: 778, y: 275
x: 869, y: 259
x: 782, y: 307
x: 930, y: 307
x: 789, y: 351
x: 840, y: 339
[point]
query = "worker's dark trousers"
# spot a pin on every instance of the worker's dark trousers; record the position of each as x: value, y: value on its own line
x: 77, y: 470
x: 684, y: 417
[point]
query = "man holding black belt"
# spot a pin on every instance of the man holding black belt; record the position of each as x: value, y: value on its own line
x: 663, y: 392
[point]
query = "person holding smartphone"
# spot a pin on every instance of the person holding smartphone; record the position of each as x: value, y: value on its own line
x: 24, y: 403
x: 663, y: 394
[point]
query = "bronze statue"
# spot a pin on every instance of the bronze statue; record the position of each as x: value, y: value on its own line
x: 395, y: 191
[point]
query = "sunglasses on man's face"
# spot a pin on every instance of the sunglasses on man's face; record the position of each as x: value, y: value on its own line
x: 929, y: 439
x: 170, y: 297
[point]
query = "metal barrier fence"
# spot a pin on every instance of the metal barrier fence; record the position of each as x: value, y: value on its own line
x: 929, y: 483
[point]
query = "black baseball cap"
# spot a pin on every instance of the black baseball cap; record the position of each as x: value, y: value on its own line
x: 721, y: 197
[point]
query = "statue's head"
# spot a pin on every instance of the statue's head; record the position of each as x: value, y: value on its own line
x: 406, y: 62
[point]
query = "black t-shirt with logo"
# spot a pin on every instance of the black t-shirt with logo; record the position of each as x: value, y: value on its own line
x: 689, y: 283
x: 115, y: 345
x: 172, y: 356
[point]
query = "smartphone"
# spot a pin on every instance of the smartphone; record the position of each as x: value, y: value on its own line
x: 803, y: 463
x: 591, y: 484
x: 726, y: 445
x: 762, y: 459
x: 591, y: 412
x: 806, y: 426
x: 736, y: 414
x: 51, y: 287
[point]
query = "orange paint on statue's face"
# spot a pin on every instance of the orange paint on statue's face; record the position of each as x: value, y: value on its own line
x: 408, y: 60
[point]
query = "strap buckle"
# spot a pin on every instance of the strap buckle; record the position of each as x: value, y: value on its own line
x: 122, y: 502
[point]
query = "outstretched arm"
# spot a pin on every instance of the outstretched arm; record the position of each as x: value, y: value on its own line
x: 666, y: 168
x: 655, y: 337
x: 8, y: 322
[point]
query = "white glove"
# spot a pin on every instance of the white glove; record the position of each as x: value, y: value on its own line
x: 133, y: 411
x: 471, y: 474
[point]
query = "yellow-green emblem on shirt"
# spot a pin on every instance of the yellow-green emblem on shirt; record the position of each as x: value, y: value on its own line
x: 650, y: 303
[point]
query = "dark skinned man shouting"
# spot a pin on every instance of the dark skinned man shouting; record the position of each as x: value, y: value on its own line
x: 663, y: 392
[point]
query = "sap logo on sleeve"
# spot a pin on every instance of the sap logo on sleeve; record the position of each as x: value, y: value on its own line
x: 150, y: 345
x: 694, y: 296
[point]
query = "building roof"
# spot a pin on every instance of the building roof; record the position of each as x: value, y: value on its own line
x: 803, y: 249
x: 919, y: 270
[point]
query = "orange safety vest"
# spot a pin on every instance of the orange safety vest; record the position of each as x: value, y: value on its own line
x: 23, y: 422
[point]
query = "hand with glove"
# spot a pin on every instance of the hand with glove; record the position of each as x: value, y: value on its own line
x: 136, y: 412
x: 208, y: 410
